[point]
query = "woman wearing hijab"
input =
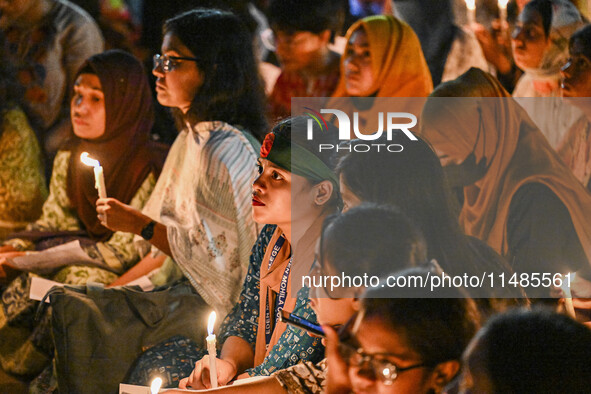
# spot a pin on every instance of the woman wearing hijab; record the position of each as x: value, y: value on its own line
x: 449, y: 50
x: 111, y: 113
x: 540, y: 48
x: 522, y: 200
x: 382, y: 58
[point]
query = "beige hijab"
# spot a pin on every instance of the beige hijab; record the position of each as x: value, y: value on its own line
x: 516, y: 153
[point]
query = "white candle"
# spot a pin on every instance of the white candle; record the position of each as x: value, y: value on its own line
x: 99, y: 177
x: 503, y: 12
x: 155, y: 386
x: 568, y: 297
x: 471, y: 11
x: 213, y: 372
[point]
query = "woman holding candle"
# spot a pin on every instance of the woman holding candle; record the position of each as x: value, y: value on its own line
x: 518, y: 196
x: 295, y: 189
x: 200, y: 212
x: 540, y: 47
x: 111, y: 112
x: 351, y: 243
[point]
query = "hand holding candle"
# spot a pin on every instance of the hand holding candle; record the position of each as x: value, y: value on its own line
x: 211, y: 342
x: 567, y: 280
x: 503, y: 13
x: 471, y: 11
x: 99, y: 178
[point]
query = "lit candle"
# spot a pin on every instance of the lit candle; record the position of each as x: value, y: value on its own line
x: 471, y: 11
x: 99, y: 177
x: 155, y: 386
x: 503, y: 12
x: 213, y: 372
x: 568, y: 297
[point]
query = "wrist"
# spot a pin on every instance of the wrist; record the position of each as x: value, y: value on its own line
x: 233, y: 365
x: 140, y: 222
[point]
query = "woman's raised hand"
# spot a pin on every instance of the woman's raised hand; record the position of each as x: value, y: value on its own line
x: 199, y: 378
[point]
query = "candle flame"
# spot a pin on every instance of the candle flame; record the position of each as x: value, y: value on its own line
x: 155, y: 386
x: 211, y: 323
x: 84, y: 158
x: 471, y: 4
x: 503, y: 3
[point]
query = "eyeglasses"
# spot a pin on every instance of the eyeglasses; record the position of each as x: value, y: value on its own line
x: 168, y: 63
x: 380, y: 367
x: 579, y: 61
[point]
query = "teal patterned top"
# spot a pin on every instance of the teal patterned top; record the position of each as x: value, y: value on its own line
x: 295, y: 345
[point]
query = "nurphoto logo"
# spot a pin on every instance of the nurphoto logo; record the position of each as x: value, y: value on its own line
x: 395, y: 121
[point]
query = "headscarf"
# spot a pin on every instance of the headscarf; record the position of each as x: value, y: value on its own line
x: 124, y: 150
x: 515, y: 151
x: 566, y: 19
x: 398, y: 64
x: 432, y: 21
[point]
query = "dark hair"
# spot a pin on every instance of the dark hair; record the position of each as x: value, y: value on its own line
x: 232, y: 90
x: 413, y: 180
x: 371, y: 239
x: 438, y: 328
x: 536, y: 352
x: 583, y: 37
x: 544, y: 8
x: 294, y: 129
x: 314, y: 16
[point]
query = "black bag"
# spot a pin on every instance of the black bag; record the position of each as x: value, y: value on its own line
x: 99, y: 333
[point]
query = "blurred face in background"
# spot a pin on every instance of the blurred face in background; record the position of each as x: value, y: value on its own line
x: 301, y: 51
x: 576, y: 73
x: 359, y: 76
x: 529, y: 41
x: 12, y: 10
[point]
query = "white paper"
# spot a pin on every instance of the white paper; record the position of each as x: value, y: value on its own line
x: 40, y: 287
x: 48, y: 260
x: 132, y: 389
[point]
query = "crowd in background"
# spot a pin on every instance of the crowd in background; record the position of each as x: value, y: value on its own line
x: 211, y: 183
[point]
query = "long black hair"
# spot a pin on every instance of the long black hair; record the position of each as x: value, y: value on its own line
x: 232, y: 89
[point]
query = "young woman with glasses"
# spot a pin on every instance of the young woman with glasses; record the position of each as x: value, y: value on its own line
x: 200, y: 212
x: 404, y: 345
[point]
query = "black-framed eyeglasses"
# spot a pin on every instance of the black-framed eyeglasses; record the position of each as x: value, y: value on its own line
x: 380, y: 367
x: 168, y: 63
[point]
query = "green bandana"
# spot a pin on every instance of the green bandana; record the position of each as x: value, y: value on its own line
x: 296, y: 159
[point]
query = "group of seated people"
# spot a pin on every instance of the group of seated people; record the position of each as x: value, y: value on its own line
x: 477, y: 188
